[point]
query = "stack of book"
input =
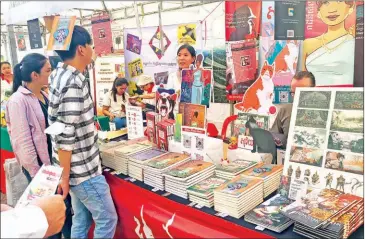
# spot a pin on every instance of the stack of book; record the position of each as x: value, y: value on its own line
x: 269, y: 173
x: 231, y: 170
x: 121, y: 155
x: 202, y: 193
x: 267, y: 214
x: 326, y: 213
x: 137, y: 160
x: 238, y: 196
x: 155, y: 168
x: 180, y: 178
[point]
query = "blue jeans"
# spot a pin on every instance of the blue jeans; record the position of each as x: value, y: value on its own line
x: 120, y: 122
x: 92, y: 200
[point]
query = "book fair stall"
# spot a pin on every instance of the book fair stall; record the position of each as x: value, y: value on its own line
x: 200, y: 159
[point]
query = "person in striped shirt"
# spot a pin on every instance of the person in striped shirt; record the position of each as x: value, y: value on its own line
x: 74, y: 141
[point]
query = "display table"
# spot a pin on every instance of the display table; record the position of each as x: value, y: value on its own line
x: 146, y: 212
x: 6, y: 152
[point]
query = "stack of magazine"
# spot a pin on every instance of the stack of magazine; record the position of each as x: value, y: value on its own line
x: 155, y: 168
x: 202, y: 193
x: 231, y: 170
x: 137, y: 160
x: 180, y: 178
x: 267, y: 214
x: 238, y: 196
x: 121, y: 155
x: 108, y: 156
x: 326, y: 213
x: 269, y: 173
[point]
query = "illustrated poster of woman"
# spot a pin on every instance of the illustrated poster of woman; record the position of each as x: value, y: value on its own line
x: 197, y: 88
x: 329, y: 54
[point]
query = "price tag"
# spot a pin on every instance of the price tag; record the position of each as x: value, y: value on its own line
x: 166, y: 194
x: 199, y: 206
x: 192, y: 204
x: 132, y: 179
x: 260, y: 228
x: 155, y: 189
x: 223, y: 214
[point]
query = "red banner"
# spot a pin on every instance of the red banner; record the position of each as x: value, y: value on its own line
x: 144, y: 214
x: 4, y: 155
x: 102, y: 34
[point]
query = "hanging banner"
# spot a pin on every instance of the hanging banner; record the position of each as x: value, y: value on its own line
x: 359, y: 46
x: 34, y: 32
x: 329, y: 46
x: 242, y: 20
x: 102, y: 34
x: 61, y: 34
x: 148, y: 58
x: 20, y: 41
x: 289, y: 20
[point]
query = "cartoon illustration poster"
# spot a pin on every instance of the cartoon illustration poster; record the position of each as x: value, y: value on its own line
x: 102, y: 34
x: 20, y: 40
x: 60, y: 37
x: 186, y: 34
x: 242, y: 20
x: 326, y: 139
x: 329, y: 45
x: 134, y: 44
x: 135, y: 67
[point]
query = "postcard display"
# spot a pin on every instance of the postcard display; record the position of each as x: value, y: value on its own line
x: 325, y: 142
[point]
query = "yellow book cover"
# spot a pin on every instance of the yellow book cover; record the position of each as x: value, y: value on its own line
x: 61, y: 34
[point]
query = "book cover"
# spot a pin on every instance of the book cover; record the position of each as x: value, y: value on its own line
x: 147, y: 154
x: 61, y: 34
x: 167, y: 160
x: 151, y: 126
x: 20, y: 41
x: 238, y: 185
x: 263, y: 170
x: 359, y: 46
x: 282, y: 95
x: 34, y: 32
x: 178, y: 124
x: 207, y: 186
x: 134, y: 44
x: 194, y: 115
x: 130, y: 149
x: 187, y: 78
x: 289, y: 20
x: 236, y: 166
x: 102, y: 34
x: 189, y: 168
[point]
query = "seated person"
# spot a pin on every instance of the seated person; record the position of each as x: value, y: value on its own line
x: 115, y: 101
x: 280, y: 128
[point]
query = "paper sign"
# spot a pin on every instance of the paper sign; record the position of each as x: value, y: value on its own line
x: 298, y: 189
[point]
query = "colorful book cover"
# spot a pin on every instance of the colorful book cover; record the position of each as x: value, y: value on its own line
x: 263, y: 170
x: 242, y: 19
x: 282, y: 95
x: 189, y: 168
x: 268, y: 19
x: 161, y: 78
x: 236, y: 166
x: 102, y: 34
x: 186, y: 34
x: 238, y: 185
x: 194, y: 115
x: 131, y: 149
x: 134, y: 44
x: 20, y: 41
x: 167, y: 160
x: 61, y: 34
x: 34, y: 32
x: 187, y: 78
x: 245, y: 61
x: 165, y: 103
x: 284, y: 186
x: 359, y: 46
x: 162, y: 136
x: 327, y: 52
x: 135, y: 68
x: 147, y: 154
x: 207, y: 186
x: 178, y: 124
x: 289, y: 20
x: 268, y: 213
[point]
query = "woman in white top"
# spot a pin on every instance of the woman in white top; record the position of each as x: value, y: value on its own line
x: 115, y: 101
x: 185, y: 57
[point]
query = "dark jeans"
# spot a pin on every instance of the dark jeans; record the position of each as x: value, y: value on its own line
x: 66, y: 230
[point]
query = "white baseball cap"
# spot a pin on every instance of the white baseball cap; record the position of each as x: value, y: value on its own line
x: 144, y: 80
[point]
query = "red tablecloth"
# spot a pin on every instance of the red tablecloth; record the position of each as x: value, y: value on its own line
x: 143, y: 214
x: 4, y: 155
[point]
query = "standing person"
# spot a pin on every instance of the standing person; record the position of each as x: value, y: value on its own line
x: 115, y: 101
x: 75, y: 147
x: 26, y: 119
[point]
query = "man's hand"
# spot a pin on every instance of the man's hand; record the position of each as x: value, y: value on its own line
x: 111, y: 117
x: 64, y: 187
x: 55, y: 210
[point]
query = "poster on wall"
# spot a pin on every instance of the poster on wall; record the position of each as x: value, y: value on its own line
x: 102, y: 34
x: 329, y: 45
x: 326, y: 139
x: 34, y: 32
x: 134, y: 122
x: 152, y: 60
x: 61, y: 33
x: 289, y: 20
x: 20, y: 41
x: 186, y: 34
x: 242, y: 19
x: 359, y: 46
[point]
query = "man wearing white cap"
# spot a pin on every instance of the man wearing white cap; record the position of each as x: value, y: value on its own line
x: 146, y: 83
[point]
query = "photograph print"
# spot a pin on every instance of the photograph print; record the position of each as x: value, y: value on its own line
x: 315, y: 99
x: 348, y: 121
x: 348, y: 142
x: 312, y: 118
x: 345, y: 162
x: 309, y: 137
x: 347, y: 100
x: 307, y: 156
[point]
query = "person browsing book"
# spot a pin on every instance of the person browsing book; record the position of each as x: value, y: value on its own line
x: 146, y: 83
x: 27, y: 118
x: 115, y: 101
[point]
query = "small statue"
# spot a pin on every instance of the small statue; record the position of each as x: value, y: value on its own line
x: 298, y: 172
x: 341, y: 183
x: 315, y: 178
x: 290, y: 171
x: 329, y: 179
